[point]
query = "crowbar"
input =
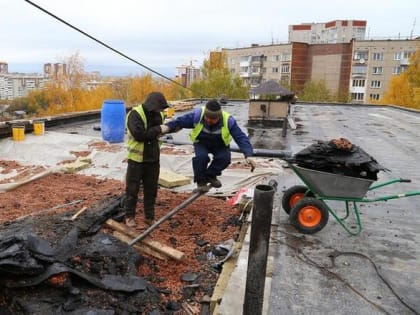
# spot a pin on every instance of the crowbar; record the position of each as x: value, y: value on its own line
x: 181, y: 206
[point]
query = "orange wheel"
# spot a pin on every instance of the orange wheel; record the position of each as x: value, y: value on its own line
x: 293, y: 195
x: 309, y: 215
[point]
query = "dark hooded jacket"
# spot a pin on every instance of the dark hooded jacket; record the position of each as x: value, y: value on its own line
x: 152, y: 106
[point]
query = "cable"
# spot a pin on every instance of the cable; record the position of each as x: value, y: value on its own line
x: 106, y: 45
x: 334, y: 255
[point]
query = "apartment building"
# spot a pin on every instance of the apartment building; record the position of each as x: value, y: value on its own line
x: 16, y: 85
x: 359, y: 68
x: 260, y: 63
x: 333, y: 32
x: 375, y: 63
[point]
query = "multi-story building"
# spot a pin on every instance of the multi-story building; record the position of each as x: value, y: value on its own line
x: 359, y: 68
x: 13, y: 85
x: 374, y: 63
x: 333, y: 32
x: 260, y: 63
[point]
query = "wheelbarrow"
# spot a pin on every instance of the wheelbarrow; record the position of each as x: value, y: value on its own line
x: 306, y: 204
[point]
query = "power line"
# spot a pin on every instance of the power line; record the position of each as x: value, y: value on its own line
x: 106, y: 45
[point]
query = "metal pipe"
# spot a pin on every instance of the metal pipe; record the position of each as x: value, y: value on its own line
x: 258, y: 249
x: 257, y: 152
x: 167, y: 216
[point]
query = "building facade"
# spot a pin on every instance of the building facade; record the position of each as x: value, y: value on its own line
x: 375, y: 63
x: 333, y: 32
x: 359, y: 69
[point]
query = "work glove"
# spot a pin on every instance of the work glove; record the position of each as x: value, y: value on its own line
x: 164, y: 129
x: 251, y: 163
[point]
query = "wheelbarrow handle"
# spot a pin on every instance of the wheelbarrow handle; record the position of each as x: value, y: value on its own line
x: 405, y: 180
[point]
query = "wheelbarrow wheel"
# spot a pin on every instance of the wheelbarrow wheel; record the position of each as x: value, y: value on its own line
x: 309, y: 215
x: 292, y: 195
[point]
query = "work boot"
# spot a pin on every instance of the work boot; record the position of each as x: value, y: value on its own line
x: 149, y: 222
x: 214, y: 182
x: 202, y: 187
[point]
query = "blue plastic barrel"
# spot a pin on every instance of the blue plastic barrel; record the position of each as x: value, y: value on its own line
x: 113, y: 120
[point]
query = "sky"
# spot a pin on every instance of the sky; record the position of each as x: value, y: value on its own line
x: 165, y: 34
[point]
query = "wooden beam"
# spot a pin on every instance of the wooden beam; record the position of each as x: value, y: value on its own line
x: 156, y: 246
x: 139, y: 247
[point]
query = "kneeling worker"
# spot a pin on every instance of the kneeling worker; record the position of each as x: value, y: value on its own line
x: 212, y: 132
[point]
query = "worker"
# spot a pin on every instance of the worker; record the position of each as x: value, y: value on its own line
x: 144, y: 125
x: 212, y: 132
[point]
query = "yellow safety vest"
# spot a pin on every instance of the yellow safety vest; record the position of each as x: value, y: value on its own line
x: 135, y: 149
x: 226, y: 136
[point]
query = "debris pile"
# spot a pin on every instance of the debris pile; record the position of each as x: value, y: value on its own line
x: 51, y: 263
x: 338, y: 156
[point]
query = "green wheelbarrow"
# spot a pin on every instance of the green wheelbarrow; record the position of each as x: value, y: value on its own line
x: 306, y: 204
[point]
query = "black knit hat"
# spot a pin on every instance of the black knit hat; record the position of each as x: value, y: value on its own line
x: 213, y: 109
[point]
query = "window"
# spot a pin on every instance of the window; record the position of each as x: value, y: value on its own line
x: 285, y: 68
x: 275, y: 58
x: 396, y: 70
x: 244, y: 69
x: 244, y: 58
x: 232, y: 71
x: 359, y: 69
x: 375, y: 84
x: 374, y: 97
x: 360, y: 55
x: 397, y: 55
x: 407, y: 54
x: 377, y: 70
x: 378, y: 56
x: 275, y: 70
x: 359, y: 82
x: 357, y: 96
x: 285, y: 57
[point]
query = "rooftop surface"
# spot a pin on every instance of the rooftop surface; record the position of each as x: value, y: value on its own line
x: 330, y: 272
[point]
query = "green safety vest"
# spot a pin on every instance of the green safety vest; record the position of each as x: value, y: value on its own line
x: 135, y: 149
x: 226, y: 136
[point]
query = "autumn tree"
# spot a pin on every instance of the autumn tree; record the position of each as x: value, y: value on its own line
x: 217, y: 80
x: 315, y: 91
x: 404, y: 89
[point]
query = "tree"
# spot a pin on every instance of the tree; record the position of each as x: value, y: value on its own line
x: 404, y: 89
x: 217, y: 80
x: 315, y: 91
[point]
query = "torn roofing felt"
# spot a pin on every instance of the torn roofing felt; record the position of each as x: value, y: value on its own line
x: 338, y: 156
x: 70, y: 267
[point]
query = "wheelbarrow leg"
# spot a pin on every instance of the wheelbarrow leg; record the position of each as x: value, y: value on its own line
x: 167, y: 216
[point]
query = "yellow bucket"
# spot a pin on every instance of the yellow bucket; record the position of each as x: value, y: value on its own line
x: 170, y: 111
x: 18, y: 133
x: 39, y: 128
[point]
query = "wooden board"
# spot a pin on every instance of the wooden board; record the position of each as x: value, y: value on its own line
x: 141, y: 248
x: 156, y: 246
x: 170, y: 179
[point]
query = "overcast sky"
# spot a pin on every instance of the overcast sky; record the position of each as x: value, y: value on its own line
x: 164, y: 34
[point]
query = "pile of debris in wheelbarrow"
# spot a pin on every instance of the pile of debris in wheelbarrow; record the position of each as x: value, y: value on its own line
x: 62, y: 250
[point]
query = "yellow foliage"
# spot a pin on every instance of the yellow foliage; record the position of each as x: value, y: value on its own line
x: 404, y: 89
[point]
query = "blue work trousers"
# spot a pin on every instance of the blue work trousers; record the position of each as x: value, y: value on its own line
x: 200, y: 162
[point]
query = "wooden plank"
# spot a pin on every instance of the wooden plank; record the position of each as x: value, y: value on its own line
x: 170, y: 179
x: 139, y: 247
x: 159, y: 247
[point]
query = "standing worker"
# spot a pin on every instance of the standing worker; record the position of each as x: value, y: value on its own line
x: 212, y: 132
x: 144, y: 125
